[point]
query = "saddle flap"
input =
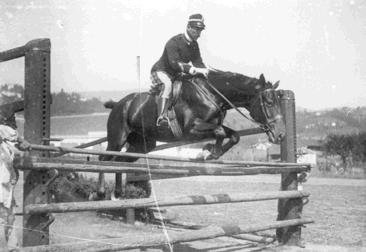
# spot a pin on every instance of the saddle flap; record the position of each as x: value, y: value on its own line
x: 176, y: 91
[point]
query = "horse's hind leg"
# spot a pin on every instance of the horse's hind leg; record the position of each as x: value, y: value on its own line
x: 136, y: 144
x: 115, y: 143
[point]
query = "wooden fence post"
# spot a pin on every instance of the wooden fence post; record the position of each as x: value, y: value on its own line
x: 37, y: 101
x: 289, y: 208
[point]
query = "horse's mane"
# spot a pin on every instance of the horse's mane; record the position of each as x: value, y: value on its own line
x: 237, y: 80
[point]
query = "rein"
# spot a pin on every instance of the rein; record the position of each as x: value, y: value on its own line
x: 264, y: 127
x: 203, y: 92
x: 229, y: 102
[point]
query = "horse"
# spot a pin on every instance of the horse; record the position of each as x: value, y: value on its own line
x: 200, y: 110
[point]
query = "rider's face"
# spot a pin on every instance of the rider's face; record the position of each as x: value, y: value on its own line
x: 194, y: 32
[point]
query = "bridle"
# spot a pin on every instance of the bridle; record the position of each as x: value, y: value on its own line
x: 264, y: 126
x: 268, y: 121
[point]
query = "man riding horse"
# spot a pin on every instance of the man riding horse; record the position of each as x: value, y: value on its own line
x: 198, y: 111
x: 179, y: 51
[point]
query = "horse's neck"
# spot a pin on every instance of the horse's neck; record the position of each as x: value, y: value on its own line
x: 197, y: 91
x: 238, y: 89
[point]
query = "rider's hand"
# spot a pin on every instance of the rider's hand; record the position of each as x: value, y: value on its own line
x: 203, y: 71
x: 197, y: 70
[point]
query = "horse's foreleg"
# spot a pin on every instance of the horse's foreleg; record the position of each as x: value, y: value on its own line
x: 211, y: 130
x: 233, y: 139
x: 218, y: 149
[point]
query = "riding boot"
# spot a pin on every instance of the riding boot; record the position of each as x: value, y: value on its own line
x: 163, y: 111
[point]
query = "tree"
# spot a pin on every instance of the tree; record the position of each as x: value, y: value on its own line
x: 64, y: 103
x: 342, y: 145
x: 359, y: 150
x: 11, y: 93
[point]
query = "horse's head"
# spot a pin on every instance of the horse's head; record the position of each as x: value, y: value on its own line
x: 265, y: 109
x: 258, y: 96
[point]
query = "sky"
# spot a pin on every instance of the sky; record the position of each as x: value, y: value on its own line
x: 315, y: 48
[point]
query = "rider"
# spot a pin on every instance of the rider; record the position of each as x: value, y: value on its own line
x: 179, y: 51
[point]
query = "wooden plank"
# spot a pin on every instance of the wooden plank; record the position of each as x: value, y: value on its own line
x: 255, y: 163
x: 84, y: 145
x: 156, y: 157
x: 13, y: 53
x: 107, y: 153
x: 153, y: 240
x: 254, y: 238
x: 170, y: 201
x: 113, y: 167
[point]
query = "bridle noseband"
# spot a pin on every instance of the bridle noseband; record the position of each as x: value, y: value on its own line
x: 264, y: 126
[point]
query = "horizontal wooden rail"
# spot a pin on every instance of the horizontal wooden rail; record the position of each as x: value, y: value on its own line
x: 84, y: 145
x: 20, y: 51
x: 153, y: 240
x: 255, y: 163
x: 13, y: 53
x: 170, y: 201
x: 157, y: 157
x: 191, y: 169
x: 107, y: 153
x: 245, y: 132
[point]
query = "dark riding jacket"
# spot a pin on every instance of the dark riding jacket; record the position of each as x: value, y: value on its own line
x: 178, y: 52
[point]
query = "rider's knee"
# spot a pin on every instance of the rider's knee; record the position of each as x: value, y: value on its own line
x: 166, y: 83
x: 166, y: 92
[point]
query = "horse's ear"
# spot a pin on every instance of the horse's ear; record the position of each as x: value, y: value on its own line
x: 262, y: 79
x: 276, y: 85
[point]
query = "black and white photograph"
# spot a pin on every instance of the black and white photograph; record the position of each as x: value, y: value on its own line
x: 182, y: 125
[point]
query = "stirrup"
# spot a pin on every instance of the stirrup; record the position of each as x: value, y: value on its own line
x: 164, y: 120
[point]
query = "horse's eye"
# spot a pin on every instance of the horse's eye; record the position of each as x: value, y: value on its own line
x: 268, y: 98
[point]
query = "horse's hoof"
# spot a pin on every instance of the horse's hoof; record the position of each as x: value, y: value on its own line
x: 203, y: 155
x: 215, y: 156
x: 209, y: 147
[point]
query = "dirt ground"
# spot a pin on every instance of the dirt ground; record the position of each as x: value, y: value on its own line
x: 338, y: 207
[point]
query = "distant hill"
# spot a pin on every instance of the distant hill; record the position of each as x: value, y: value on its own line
x: 109, y: 95
x: 314, y: 126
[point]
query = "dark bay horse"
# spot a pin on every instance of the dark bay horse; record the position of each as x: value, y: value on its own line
x: 200, y: 113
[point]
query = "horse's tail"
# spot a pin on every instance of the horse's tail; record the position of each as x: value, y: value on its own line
x: 109, y: 104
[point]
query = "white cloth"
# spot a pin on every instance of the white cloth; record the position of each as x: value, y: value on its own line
x: 8, y: 175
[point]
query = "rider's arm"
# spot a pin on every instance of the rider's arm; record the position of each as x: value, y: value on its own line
x: 172, y: 50
x: 197, y: 59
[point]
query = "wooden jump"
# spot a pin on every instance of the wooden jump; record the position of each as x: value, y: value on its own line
x: 38, y: 172
x: 154, y: 240
x: 169, y: 201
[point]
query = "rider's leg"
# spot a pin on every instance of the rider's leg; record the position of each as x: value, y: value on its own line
x: 162, y: 110
x: 163, y: 100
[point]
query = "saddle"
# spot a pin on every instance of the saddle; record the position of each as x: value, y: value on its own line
x: 176, y: 91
